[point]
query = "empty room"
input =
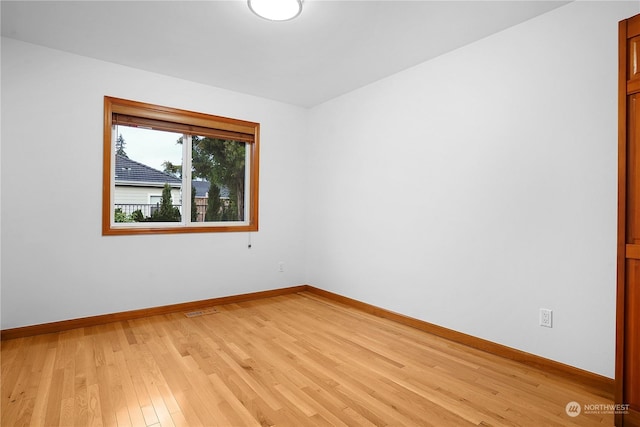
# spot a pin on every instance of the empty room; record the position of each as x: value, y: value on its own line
x: 389, y: 213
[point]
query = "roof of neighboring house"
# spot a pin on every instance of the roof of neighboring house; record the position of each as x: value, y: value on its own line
x: 202, y: 188
x: 131, y: 171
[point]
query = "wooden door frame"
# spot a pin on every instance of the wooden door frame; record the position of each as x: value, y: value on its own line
x: 627, y: 28
x: 622, y: 209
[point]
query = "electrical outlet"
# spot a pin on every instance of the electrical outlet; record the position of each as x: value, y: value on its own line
x: 546, y: 318
x: 281, y: 266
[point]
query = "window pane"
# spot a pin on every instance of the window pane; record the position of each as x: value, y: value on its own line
x: 147, y: 175
x: 157, y: 140
x: 219, y: 179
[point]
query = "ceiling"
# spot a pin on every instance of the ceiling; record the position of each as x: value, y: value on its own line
x: 332, y: 48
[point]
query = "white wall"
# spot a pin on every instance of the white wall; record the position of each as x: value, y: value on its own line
x: 55, y: 263
x: 478, y: 187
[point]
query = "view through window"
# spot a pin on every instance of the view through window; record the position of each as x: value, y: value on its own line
x: 171, y: 170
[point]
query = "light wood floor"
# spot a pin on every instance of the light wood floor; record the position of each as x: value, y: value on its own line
x: 294, y: 360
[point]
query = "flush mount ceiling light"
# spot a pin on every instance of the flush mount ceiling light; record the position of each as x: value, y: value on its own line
x: 276, y: 10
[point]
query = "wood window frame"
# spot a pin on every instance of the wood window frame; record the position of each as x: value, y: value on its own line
x: 183, y: 121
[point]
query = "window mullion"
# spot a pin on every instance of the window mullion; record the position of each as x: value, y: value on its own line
x: 186, y: 178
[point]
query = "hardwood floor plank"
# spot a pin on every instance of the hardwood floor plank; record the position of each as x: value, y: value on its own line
x: 179, y: 420
x: 193, y: 409
x: 66, y: 412
x: 16, y: 371
x: 130, y: 397
x: 103, y: 394
x: 288, y: 360
x: 42, y: 395
x: 240, y: 411
x: 94, y: 411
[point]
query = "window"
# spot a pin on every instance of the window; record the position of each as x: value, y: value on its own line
x: 167, y: 170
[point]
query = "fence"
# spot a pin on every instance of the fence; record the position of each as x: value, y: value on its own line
x: 148, y: 209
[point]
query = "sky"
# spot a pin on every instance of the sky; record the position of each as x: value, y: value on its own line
x: 151, y: 147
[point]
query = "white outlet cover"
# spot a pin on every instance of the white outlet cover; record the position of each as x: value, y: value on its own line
x: 546, y: 317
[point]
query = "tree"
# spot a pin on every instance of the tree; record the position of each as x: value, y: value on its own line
x: 223, y: 162
x: 120, y: 147
x: 171, y: 169
x: 167, y: 212
x: 194, y: 207
x: 137, y: 215
x: 214, y: 205
x: 120, y: 216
